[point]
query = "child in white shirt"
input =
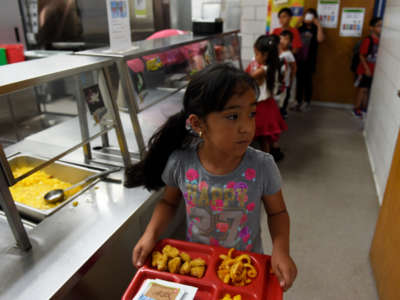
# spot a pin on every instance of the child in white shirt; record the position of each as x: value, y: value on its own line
x: 289, y: 67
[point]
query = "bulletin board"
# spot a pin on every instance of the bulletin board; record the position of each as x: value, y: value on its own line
x: 274, y: 6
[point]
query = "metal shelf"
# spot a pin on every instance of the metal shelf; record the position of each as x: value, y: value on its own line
x: 14, y: 77
x: 147, y: 47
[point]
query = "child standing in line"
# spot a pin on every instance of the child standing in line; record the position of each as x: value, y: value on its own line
x: 265, y: 69
x: 289, y: 65
x: 285, y: 16
x: 365, y: 70
x: 202, y: 154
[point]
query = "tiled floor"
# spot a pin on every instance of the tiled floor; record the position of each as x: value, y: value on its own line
x: 331, y: 197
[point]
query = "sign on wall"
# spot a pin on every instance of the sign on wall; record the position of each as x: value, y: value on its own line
x: 328, y: 12
x: 140, y: 9
x: 352, y: 21
x: 119, y: 27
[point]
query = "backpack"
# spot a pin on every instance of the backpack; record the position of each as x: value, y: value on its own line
x: 355, y: 60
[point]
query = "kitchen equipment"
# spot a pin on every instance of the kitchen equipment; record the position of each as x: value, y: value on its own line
x: 59, y: 194
x: 58, y: 169
x: 205, y: 27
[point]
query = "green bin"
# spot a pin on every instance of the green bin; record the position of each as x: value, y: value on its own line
x: 3, y: 57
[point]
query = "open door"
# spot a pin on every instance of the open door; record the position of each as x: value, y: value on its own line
x: 385, y: 249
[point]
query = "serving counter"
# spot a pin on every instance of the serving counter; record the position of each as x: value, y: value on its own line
x: 83, y: 250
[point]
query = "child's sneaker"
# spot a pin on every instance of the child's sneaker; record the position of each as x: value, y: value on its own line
x: 296, y: 107
x: 357, y: 112
x: 305, y: 107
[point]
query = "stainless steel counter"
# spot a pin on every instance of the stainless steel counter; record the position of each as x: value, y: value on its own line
x: 147, y: 47
x: 71, y: 240
x: 65, y: 242
x: 14, y: 77
x: 149, y: 119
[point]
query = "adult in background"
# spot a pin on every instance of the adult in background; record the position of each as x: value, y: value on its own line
x: 311, y: 34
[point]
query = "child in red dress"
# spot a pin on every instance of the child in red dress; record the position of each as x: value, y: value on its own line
x: 265, y: 69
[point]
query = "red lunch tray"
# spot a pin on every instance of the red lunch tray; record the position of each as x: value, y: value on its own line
x: 264, y: 287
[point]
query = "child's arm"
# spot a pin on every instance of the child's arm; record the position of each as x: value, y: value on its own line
x: 258, y: 75
x: 278, y: 222
x: 162, y: 215
x: 365, y: 65
x: 363, y: 56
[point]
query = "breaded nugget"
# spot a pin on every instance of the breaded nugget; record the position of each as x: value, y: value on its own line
x: 185, y: 257
x: 198, y: 262
x: 197, y: 271
x: 170, y: 251
x: 185, y: 268
x: 162, y: 262
x: 174, y: 265
x: 155, y: 256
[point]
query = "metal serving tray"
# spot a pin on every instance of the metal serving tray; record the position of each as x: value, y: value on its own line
x: 60, y: 170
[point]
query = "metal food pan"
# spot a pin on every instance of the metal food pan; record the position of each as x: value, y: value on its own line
x: 60, y: 170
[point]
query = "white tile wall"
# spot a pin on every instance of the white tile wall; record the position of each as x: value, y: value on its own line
x: 383, y: 120
x: 252, y: 25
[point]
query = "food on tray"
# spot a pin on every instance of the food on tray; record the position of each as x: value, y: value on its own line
x: 228, y: 297
x: 161, y: 292
x: 185, y: 257
x: 197, y: 271
x: 236, y: 271
x: 172, y: 260
x: 30, y: 191
x: 174, y: 265
x: 170, y: 251
x: 159, y: 261
x: 185, y: 268
x: 198, y: 262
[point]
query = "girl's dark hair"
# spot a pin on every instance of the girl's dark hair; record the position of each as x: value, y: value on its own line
x: 312, y: 11
x: 269, y: 45
x: 374, y: 21
x: 285, y: 10
x: 208, y: 91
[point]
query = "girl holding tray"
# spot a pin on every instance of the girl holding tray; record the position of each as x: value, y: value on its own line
x: 202, y: 155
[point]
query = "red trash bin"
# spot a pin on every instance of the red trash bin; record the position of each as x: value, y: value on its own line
x: 15, y: 52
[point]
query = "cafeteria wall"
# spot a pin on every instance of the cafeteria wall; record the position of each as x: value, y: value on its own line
x: 252, y: 24
x: 9, y: 19
x: 228, y: 10
x: 383, y: 120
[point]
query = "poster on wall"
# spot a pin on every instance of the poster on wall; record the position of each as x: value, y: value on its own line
x: 95, y: 102
x: 140, y: 8
x: 119, y: 28
x: 297, y: 7
x: 328, y: 12
x: 352, y: 21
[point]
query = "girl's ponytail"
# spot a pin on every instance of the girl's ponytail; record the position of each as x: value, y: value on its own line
x: 269, y: 45
x: 171, y: 136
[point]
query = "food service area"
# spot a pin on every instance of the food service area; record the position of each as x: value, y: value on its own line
x: 179, y: 149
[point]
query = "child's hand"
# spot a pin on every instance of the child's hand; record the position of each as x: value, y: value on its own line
x: 142, y: 250
x: 284, y: 268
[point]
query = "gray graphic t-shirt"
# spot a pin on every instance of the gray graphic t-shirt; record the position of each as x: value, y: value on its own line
x: 223, y: 210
